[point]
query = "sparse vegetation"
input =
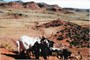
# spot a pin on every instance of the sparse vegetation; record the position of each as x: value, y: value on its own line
x: 17, y: 14
x: 76, y: 33
x: 67, y: 41
x: 73, y: 43
x: 5, y: 45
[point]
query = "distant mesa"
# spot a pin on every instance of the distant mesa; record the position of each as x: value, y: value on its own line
x: 50, y: 7
x: 76, y: 10
x: 14, y: 5
x: 11, y: 5
x: 30, y: 5
x: 34, y: 5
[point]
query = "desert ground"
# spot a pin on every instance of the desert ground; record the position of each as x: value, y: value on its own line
x: 12, y: 27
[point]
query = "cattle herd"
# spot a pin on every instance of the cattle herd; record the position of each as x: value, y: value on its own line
x: 40, y: 46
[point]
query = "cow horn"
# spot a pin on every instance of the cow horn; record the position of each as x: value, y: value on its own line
x: 14, y: 42
x: 50, y: 36
x: 42, y: 32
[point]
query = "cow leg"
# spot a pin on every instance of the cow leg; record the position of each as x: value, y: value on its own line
x: 28, y: 53
x: 22, y: 55
x: 37, y: 55
x: 45, y: 57
x: 57, y: 56
x: 65, y: 57
x: 61, y: 56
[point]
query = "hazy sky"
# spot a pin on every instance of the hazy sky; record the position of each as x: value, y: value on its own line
x: 64, y: 3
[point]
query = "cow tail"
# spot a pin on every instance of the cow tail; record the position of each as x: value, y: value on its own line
x: 17, y: 43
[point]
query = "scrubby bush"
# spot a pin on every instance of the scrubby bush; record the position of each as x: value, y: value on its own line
x: 60, y: 38
x: 5, y: 45
x: 73, y: 43
x: 67, y: 41
x: 16, y: 14
x: 75, y: 32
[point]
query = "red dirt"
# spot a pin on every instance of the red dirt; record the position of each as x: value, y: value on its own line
x: 5, y: 51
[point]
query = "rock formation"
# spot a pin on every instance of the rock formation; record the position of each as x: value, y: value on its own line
x: 31, y: 5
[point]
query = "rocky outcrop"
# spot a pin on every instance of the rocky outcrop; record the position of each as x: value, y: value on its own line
x: 31, y: 5
x: 54, y: 8
x: 3, y: 5
x: 78, y: 36
x: 11, y: 5
x: 15, y: 5
x: 50, y: 7
x: 43, y: 5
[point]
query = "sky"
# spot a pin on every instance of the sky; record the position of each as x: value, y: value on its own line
x: 83, y: 4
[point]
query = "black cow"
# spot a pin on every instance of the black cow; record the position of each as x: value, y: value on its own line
x: 51, y: 43
x: 48, y: 44
x: 57, y: 52
x: 42, y: 48
x: 36, y: 50
x: 66, y: 54
x: 63, y: 53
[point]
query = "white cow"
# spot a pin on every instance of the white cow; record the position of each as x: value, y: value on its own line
x: 25, y: 42
x: 55, y: 48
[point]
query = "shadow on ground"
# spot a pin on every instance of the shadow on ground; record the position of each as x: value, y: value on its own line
x: 16, y: 56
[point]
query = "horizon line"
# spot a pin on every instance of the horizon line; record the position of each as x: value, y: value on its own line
x: 49, y: 4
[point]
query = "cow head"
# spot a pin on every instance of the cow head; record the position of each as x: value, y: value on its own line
x: 44, y: 38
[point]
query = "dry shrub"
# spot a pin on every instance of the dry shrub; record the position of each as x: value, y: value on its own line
x: 16, y: 15
x: 5, y: 45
